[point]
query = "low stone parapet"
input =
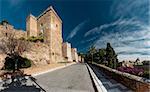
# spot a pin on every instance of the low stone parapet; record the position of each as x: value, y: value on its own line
x: 136, y: 83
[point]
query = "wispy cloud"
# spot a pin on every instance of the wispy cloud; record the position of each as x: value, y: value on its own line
x: 131, y: 8
x: 89, y: 40
x: 76, y: 29
x: 120, y: 22
x: 129, y: 34
x: 127, y: 41
x: 15, y: 2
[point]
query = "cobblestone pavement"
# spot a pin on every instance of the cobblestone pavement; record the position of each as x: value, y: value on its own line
x: 110, y: 84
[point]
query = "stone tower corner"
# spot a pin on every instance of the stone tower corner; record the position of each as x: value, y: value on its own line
x: 31, y: 26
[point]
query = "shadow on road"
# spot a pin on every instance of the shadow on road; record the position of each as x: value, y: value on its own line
x: 22, y: 88
x: 24, y: 83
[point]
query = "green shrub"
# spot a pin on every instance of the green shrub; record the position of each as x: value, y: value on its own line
x: 146, y: 74
x: 35, y: 39
x: 9, y: 64
x: 26, y: 64
x: 32, y: 39
x: 22, y: 38
x: 22, y: 63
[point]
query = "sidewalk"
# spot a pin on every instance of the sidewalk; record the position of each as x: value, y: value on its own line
x: 36, y: 70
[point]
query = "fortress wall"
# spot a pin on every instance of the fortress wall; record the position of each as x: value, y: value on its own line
x: 10, y: 29
x: 74, y: 54
x: 56, y: 36
x: 2, y: 60
x: 43, y: 24
x: 20, y: 33
x: 50, y: 24
x: 31, y: 25
x: 38, y: 53
x: 67, y: 51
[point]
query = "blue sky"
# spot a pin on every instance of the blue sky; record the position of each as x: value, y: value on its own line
x: 123, y: 23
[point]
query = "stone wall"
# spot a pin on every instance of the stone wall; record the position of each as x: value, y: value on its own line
x: 5, y: 29
x: 49, y: 25
x: 2, y: 60
x: 137, y: 84
x: 38, y: 53
x: 31, y: 26
x: 74, y: 54
x: 43, y: 27
x: 56, y: 36
x: 20, y: 33
x: 67, y: 51
x: 79, y: 58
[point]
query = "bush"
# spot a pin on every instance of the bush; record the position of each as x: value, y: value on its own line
x: 9, y: 64
x: 26, y: 63
x: 22, y: 38
x: 135, y: 71
x: 22, y: 63
x: 146, y: 74
x: 35, y: 39
x: 146, y: 62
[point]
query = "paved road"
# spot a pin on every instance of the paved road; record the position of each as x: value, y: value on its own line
x: 110, y: 84
x: 74, y: 78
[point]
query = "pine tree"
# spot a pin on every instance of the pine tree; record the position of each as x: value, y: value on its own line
x: 111, y: 57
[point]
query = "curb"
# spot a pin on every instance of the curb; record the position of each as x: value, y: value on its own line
x: 53, y: 69
x: 99, y: 86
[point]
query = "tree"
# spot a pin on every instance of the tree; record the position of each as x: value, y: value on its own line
x: 111, y: 56
x: 3, y: 22
x: 91, y: 52
x: 136, y: 61
x: 13, y: 48
x: 146, y: 62
x: 81, y: 54
x: 101, y: 55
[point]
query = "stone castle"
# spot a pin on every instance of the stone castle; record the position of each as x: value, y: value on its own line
x: 48, y: 25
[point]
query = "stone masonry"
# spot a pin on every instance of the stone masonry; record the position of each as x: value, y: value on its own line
x: 49, y: 25
x: 79, y: 58
x: 6, y: 28
x: 67, y: 51
x: 31, y: 26
x: 74, y: 54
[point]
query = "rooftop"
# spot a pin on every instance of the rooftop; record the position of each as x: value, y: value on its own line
x: 49, y: 9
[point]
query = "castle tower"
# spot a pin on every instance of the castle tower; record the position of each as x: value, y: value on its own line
x: 74, y: 54
x: 67, y: 51
x: 49, y: 25
x: 31, y: 26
